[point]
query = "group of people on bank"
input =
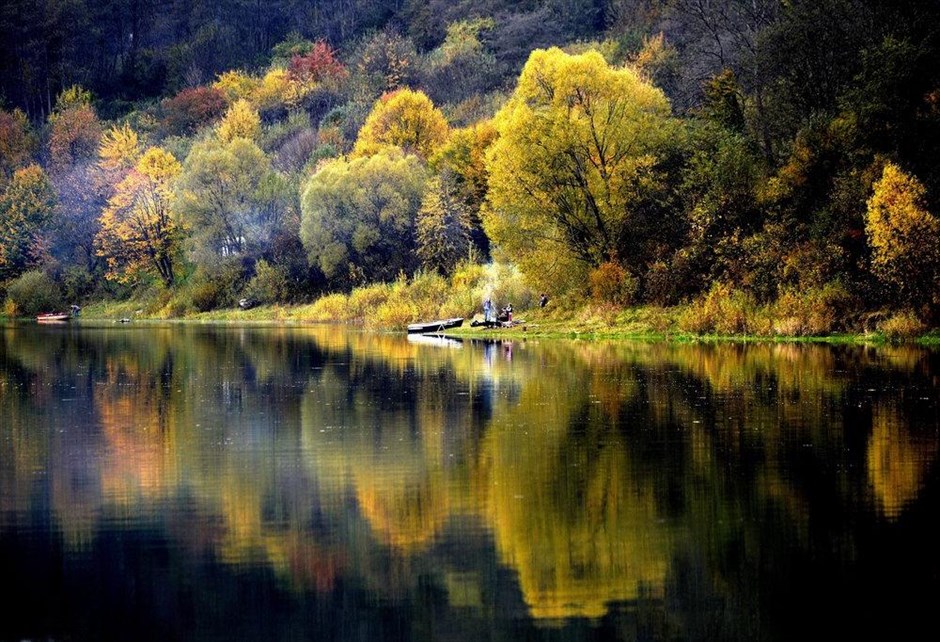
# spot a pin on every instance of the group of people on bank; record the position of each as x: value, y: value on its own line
x: 503, y: 317
x: 491, y: 317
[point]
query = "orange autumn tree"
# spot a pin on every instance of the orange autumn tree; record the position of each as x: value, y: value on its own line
x: 75, y: 130
x: 140, y: 233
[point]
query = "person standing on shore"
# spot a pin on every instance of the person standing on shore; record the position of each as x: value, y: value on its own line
x: 487, y: 311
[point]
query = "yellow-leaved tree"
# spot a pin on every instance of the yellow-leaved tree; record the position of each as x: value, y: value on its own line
x: 219, y: 197
x: 904, y: 237
x: 358, y: 217
x: 277, y: 89
x: 463, y: 155
x: 119, y: 149
x: 140, y: 233
x: 462, y: 159
x: 579, y: 174
x: 240, y: 121
x: 406, y: 119
x: 236, y: 85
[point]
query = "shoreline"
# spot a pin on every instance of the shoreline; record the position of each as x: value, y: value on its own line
x: 640, y: 324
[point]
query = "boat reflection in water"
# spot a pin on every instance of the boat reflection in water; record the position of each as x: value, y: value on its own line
x: 435, y: 340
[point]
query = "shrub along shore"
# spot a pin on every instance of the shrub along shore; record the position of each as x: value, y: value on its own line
x: 389, y: 307
x: 590, y: 321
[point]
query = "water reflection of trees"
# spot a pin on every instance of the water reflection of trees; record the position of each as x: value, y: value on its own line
x: 599, y: 470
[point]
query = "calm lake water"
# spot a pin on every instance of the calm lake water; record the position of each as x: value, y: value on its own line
x: 190, y: 482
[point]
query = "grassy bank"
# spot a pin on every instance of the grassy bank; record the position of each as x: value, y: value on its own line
x: 581, y: 321
x: 722, y: 313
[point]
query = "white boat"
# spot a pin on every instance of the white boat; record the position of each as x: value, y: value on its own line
x: 438, y: 325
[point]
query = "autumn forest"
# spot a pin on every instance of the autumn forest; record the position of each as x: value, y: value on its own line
x: 757, y: 166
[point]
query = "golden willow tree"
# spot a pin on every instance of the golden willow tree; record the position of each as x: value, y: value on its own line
x: 240, y: 121
x: 904, y: 238
x: 406, y: 119
x: 358, y: 217
x: 578, y: 175
x: 140, y: 233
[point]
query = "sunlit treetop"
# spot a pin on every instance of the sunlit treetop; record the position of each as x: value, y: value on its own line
x: 904, y: 236
x: 74, y: 96
x: 277, y: 88
x: 240, y: 121
x: 236, y: 85
x: 158, y: 164
x: 119, y: 149
x: 406, y: 119
x: 463, y: 155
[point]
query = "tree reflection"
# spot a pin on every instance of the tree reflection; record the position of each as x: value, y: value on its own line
x: 601, y: 475
x: 898, y: 462
x: 568, y: 513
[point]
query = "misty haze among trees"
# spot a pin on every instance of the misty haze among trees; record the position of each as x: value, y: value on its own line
x: 770, y: 166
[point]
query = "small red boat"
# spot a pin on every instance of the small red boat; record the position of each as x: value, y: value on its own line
x: 53, y: 316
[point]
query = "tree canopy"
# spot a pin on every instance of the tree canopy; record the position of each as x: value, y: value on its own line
x: 220, y: 199
x: 406, y: 119
x: 16, y: 142
x: 26, y: 208
x: 580, y: 165
x: 904, y: 237
x: 629, y: 152
x: 444, y: 226
x: 140, y: 232
x: 359, y: 216
x: 240, y: 121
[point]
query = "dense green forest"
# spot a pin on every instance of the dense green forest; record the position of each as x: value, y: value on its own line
x: 768, y: 166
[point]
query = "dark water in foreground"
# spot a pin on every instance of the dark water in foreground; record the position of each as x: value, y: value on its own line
x: 188, y: 482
